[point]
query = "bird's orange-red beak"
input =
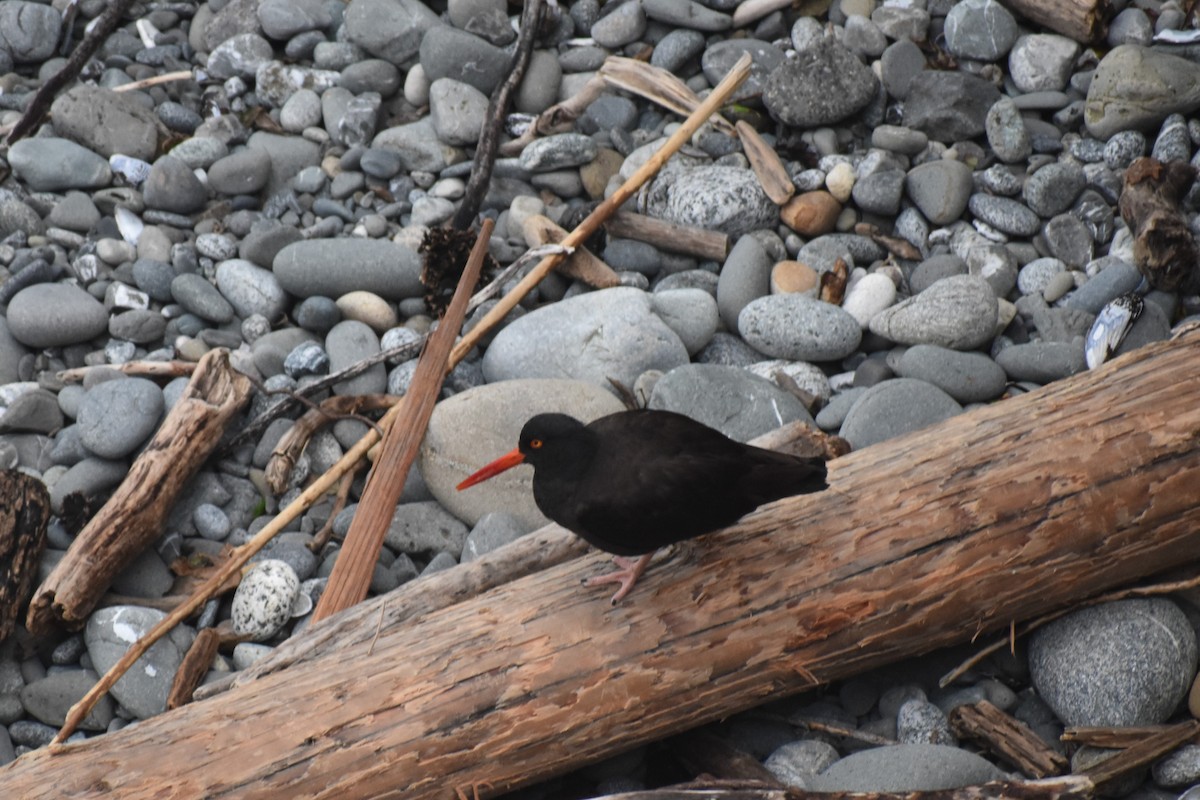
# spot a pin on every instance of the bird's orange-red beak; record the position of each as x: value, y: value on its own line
x: 504, y: 462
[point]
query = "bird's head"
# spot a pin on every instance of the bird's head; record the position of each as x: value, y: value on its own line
x: 555, y: 441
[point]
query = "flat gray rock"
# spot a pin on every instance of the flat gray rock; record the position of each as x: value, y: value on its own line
x: 50, y: 164
x: 116, y: 417
x: 385, y: 268
x: 425, y: 528
x: 959, y: 312
x: 55, y: 314
x: 824, y: 84
x: 144, y: 688
x: 906, y: 768
x: 940, y: 189
x: 50, y: 698
x: 745, y: 276
x: 390, y: 29
x: 349, y: 342
x: 894, y: 407
x: 473, y: 427
x: 736, y: 402
x: 613, y: 333
x: 1136, y: 87
x: 799, y: 328
x: 968, y: 377
x: 250, y: 289
x: 1128, y: 662
x: 949, y: 106
x: 1042, y: 362
x: 106, y: 122
x: 726, y: 199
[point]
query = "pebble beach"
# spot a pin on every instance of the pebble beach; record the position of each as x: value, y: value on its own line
x: 959, y: 166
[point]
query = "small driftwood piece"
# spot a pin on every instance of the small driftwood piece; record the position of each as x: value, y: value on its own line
x: 24, y: 512
x: 1008, y: 738
x: 351, y: 576
x: 1085, y: 21
x: 292, y: 443
x: 1143, y: 753
x: 147, y: 369
x: 1111, y: 738
x: 708, y: 245
x: 766, y: 165
x: 1163, y: 248
x: 195, y: 666
x: 590, y: 224
x: 581, y: 265
x: 538, y: 676
x: 133, y: 517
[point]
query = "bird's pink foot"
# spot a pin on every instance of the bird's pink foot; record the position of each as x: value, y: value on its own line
x: 630, y: 570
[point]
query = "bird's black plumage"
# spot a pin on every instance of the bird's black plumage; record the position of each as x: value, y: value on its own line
x: 635, y: 481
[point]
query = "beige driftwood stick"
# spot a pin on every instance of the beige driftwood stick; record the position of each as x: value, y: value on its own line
x: 133, y: 517
x: 924, y: 540
x: 351, y: 576
x: 585, y: 229
x: 1085, y: 21
x: 711, y: 245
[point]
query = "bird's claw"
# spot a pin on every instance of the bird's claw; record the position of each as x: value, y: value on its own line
x: 630, y: 570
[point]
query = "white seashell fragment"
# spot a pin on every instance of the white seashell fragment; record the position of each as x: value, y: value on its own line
x: 1110, y: 327
x: 129, y: 224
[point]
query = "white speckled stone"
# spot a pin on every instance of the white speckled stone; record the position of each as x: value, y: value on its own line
x: 262, y: 604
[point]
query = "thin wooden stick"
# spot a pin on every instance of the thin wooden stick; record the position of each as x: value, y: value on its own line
x: 1153, y: 590
x: 585, y: 229
x: 166, y: 77
x: 351, y: 576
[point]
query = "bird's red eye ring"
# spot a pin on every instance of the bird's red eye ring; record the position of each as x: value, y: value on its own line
x: 536, y: 444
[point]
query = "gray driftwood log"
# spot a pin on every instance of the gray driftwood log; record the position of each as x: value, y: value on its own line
x: 1001, y: 514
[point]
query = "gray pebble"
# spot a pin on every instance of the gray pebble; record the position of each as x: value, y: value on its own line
x: 894, y: 407
x: 143, y: 689
x: 799, y: 328
x: 116, y: 417
x: 734, y: 401
x: 968, y: 377
x: 1128, y: 662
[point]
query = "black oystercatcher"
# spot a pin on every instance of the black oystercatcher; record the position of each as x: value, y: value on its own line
x: 635, y: 481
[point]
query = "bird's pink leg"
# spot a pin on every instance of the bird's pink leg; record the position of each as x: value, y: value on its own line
x: 630, y: 570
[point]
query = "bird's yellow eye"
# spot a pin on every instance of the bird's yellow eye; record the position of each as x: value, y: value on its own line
x: 536, y: 444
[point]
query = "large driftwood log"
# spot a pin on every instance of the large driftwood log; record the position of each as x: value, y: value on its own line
x: 1003, y: 513
x: 133, y: 517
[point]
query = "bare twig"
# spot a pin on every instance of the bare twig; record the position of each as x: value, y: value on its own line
x: 1151, y: 590
x: 489, y: 140
x: 166, y: 77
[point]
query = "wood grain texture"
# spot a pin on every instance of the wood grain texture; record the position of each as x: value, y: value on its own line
x: 1085, y: 21
x: 1002, y: 513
